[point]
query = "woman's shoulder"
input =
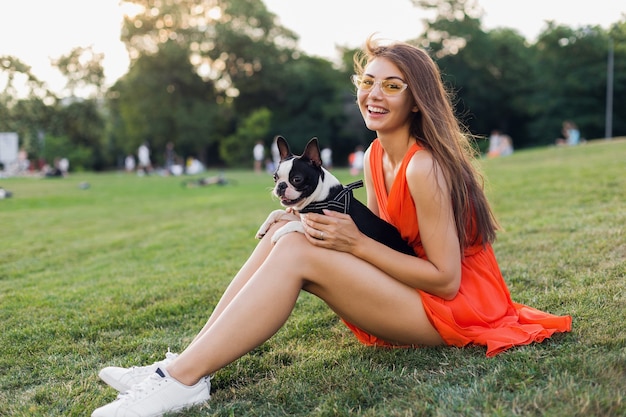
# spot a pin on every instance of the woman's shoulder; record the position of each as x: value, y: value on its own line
x: 421, y: 163
x: 424, y: 172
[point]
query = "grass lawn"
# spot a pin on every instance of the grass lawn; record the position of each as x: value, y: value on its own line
x: 116, y: 273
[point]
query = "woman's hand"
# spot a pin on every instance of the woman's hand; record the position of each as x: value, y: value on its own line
x: 332, y: 230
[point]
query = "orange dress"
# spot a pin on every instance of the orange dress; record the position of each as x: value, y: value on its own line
x: 482, y: 312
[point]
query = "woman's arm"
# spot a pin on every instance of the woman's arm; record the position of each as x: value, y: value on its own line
x: 372, y: 203
x: 440, y: 274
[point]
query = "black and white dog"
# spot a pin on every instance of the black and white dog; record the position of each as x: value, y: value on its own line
x: 304, y: 185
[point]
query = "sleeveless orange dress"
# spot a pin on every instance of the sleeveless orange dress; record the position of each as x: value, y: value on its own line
x: 482, y: 313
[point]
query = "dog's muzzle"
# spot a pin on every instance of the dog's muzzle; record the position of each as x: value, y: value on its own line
x: 280, y: 189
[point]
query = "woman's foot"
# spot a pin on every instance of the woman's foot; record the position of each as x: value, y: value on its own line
x: 156, y: 395
x: 122, y: 379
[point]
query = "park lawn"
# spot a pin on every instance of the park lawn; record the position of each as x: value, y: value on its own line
x: 116, y: 273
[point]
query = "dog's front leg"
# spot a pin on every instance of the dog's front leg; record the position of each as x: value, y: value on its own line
x: 275, y: 216
x: 292, y: 226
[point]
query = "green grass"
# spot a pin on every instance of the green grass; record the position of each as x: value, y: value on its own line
x: 117, y: 273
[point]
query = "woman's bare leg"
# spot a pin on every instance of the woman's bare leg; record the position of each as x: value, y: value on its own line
x: 253, y: 263
x: 354, y: 289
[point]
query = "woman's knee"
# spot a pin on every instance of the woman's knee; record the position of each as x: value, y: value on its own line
x: 293, y: 250
x: 293, y: 244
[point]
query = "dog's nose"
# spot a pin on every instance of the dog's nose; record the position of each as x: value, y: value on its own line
x: 281, y: 187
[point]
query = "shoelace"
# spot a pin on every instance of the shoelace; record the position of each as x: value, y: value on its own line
x: 169, y: 356
x: 140, y: 390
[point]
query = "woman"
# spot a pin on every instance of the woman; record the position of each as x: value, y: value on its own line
x: 419, y: 176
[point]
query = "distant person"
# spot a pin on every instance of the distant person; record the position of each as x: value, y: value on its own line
x: 23, y: 164
x: 258, y: 152
x: 5, y: 193
x: 571, y: 134
x: 170, y: 158
x: 494, y: 142
x: 275, y: 154
x: 356, y: 160
x: 143, y: 156
x: 193, y: 166
x: 507, y: 146
x: 327, y: 157
x: 64, y: 166
x: 129, y: 163
x: 499, y: 144
x: 53, y: 171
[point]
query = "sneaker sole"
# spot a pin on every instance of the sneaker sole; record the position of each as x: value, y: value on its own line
x: 113, y: 382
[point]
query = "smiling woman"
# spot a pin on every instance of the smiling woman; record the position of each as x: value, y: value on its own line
x: 446, y: 289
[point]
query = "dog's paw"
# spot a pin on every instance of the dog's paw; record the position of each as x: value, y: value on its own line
x: 292, y: 226
x: 274, y: 216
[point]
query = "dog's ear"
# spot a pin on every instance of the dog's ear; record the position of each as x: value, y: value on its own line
x: 312, y: 152
x: 283, y: 148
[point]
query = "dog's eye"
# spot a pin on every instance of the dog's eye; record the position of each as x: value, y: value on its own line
x: 275, y: 176
x: 297, y: 180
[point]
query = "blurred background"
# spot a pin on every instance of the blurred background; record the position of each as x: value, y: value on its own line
x: 205, y: 80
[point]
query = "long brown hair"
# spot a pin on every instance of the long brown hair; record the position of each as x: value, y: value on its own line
x: 436, y: 127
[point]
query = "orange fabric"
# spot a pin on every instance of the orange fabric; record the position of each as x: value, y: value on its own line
x: 482, y: 313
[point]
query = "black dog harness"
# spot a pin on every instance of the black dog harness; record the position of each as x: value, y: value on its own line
x: 340, y: 203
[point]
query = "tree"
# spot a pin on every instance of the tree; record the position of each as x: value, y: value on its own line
x: 20, y: 82
x: 162, y: 99
x: 24, y: 104
x: 31, y: 118
x: 234, y: 47
x: 309, y: 102
x: 526, y: 90
x: 228, y: 41
x: 236, y: 149
x: 571, y: 81
x: 83, y: 69
x: 486, y: 71
x: 491, y: 77
x: 79, y: 136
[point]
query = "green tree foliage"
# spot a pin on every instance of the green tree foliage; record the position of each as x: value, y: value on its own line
x: 204, y: 71
x: 236, y: 149
x: 486, y: 71
x: 231, y: 53
x: 81, y: 157
x: 79, y: 130
x: 162, y: 99
x: 570, y: 81
x: 308, y: 101
x: 82, y: 124
x: 83, y: 69
x: 15, y: 74
x: 48, y: 127
x: 28, y: 113
x: 228, y: 41
x: 30, y: 118
x: 500, y: 81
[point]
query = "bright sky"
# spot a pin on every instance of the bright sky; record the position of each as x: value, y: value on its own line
x: 39, y: 30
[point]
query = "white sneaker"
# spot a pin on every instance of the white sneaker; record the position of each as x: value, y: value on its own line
x: 156, y: 395
x: 123, y: 378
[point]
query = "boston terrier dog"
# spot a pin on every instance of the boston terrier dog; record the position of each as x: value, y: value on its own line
x: 304, y: 185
